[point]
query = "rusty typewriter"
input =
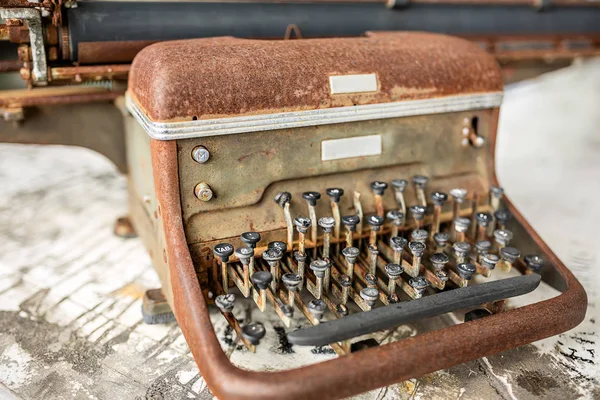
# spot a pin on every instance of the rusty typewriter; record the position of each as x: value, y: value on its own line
x: 346, y: 185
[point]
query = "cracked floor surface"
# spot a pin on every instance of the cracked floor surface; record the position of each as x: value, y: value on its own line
x: 70, y: 322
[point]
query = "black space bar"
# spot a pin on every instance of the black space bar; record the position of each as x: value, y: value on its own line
x: 407, y: 311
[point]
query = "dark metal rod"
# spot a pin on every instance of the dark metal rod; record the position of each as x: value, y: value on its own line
x: 408, y: 311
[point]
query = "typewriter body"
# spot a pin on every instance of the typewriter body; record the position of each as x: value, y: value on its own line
x: 347, y: 185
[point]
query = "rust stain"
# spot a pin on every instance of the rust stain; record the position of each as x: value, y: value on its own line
x: 133, y: 290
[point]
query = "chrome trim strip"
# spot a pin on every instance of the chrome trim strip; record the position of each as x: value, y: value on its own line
x: 296, y: 119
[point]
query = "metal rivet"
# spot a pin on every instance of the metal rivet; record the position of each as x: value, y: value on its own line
x: 200, y: 154
x: 203, y: 191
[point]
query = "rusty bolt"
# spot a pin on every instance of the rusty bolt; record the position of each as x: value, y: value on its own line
x: 203, y: 191
x: 200, y: 154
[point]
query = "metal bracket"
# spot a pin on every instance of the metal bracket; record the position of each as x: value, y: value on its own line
x: 33, y: 19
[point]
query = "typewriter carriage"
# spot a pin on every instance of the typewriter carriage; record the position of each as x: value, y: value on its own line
x: 172, y: 223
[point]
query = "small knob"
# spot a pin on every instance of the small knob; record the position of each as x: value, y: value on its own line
x: 461, y: 249
x: 419, y: 283
x: 490, y: 260
x: 497, y: 192
x: 462, y: 224
x: 262, y: 279
x: 466, y: 270
x: 439, y: 260
x: 396, y: 216
x: 418, y: 212
x: 302, y: 224
x: 319, y: 267
x: 420, y: 181
x: 350, y: 221
x: 281, y: 246
x: 291, y: 281
x: 510, y: 254
x: 439, y: 198
x: 369, y: 295
x: 503, y: 236
x: 225, y: 302
x: 399, y: 184
x: 379, y: 187
x: 416, y: 248
x: 483, y: 219
x: 441, y: 238
x: 419, y: 235
x: 459, y: 194
x: 223, y: 251
x: 317, y: 308
x: 200, y: 154
x: 375, y: 221
x: 398, y: 243
x: 244, y: 254
x: 350, y: 253
x: 253, y: 332
x: 393, y: 271
x: 483, y: 247
x: 345, y: 280
x: 534, y: 262
x: 299, y: 257
x: 326, y: 223
x: 251, y: 238
x: 502, y: 216
x: 311, y: 197
x: 282, y: 198
x: 272, y: 255
x: 335, y: 194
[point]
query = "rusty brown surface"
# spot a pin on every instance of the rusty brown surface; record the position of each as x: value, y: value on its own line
x: 10, y: 65
x: 82, y: 73
x: 178, y: 80
x: 55, y: 95
x: 110, y: 52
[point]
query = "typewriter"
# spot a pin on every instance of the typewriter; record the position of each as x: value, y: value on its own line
x: 345, y: 184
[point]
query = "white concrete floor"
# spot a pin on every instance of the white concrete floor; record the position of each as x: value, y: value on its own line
x: 70, y: 291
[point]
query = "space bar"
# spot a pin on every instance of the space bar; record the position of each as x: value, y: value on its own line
x: 408, y: 311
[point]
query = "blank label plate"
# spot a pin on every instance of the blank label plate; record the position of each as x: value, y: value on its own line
x: 353, y: 83
x: 361, y: 146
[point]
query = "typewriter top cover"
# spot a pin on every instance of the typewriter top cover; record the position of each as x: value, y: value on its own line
x: 347, y: 184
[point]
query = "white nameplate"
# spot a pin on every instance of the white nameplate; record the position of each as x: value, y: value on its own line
x: 360, y: 146
x: 353, y: 83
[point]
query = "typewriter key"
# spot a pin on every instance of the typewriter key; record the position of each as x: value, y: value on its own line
x: 320, y: 269
x: 438, y: 198
x: 420, y: 183
x: 458, y: 195
x: 370, y: 296
x: 272, y: 256
x: 439, y: 261
x: 371, y: 280
x: 335, y: 195
x: 419, y: 235
x: 534, y: 262
x: 496, y: 194
x: 302, y: 225
x: 327, y: 224
x: 378, y: 191
x: 350, y: 222
x: 461, y: 251
x: 482, y: 247
x: 398, y: 244
x: 281, y: 246
x: 419, y: 284
x: 262, y: 280
x: 375, y: 221
x: 393, y: 272
x: 311, y: 200
x: 502, y: 238
x: 246, y: 256
x: 399, y: 186
x: 350, y: 254
x: 292, y: 282
x: 397, y: 219
x: 283, y: 199
x: 509, y: 256
x: 490, y: 261
x: 441, y: 240
x: 251, y: 238
x: 418, y: 213
x: 225, y: 302
x: 301, y: 260
x: 483, y: 221
x: 461, y: 226
x: 502, y: 217
x: 317, y: 308
x: 223, y: 251
x: 417, y: 249
x: 466, y: 270
x: 253, y: 332
x: 345, y: 282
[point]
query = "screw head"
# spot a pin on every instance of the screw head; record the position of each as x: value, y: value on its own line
x: 398, y: 243
x: 439, y: 260
x: 335, y: 194
x: 466, y: 270
x: 461, y: 249
x: 461, y: 224
x: 399, y: 184
x: 302, y: 224
x: 416, y: 248
x: 282, y: 198
x: 272, y: 255
x: 262, y: 279
x: 311, y: 197
x: 291, y: 281
x: 459, y: 194
x: 225, y: 302
x: 375, y: 221
x: 223, y: 251
x: 419, y: 283
x: 419, y: 235
x: 200, y: 154
x: 510, y: 254
x: 250, y: 238
x: 439, y: 198
x: 534, y: 262
x: 396, y: 216
x: 326, y: 223
x: 244, y: 253
x: 350, y: 253
x: 483, y: 246
x: 441, y: 238
x: 253, y: 332
x: 393, y: 271
x: 379, y: 187
x: 203, y: 191
x: 369, y: 295
x: 350, y: 221
x: 503, y: 236
x: 319, y: 267
x: 490, y: 261
x: 420, y: 181
x: 281, y: 246
x: 483, y: 219
x: 418, y: 212
x: 317, y: 308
